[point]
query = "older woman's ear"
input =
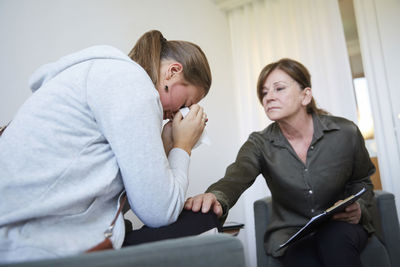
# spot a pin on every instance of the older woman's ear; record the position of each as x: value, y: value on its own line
x: 307, y: 96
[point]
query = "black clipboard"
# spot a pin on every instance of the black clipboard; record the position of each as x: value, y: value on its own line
x: 317, y: 220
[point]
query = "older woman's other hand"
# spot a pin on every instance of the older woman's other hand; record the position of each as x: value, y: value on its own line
x: 204, y: 202
x: 352, y: 214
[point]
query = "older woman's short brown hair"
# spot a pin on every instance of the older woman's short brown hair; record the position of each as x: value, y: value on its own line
x: 297, y: 72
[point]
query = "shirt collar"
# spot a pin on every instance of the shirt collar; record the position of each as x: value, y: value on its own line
x: 322, y: 123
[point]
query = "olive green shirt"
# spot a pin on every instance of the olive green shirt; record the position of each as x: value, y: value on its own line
x: 337, y: 166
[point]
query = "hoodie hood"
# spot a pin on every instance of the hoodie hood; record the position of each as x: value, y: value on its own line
x: 48, y: 71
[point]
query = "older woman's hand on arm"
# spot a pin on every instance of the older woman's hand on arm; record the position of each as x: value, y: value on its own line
x: 204, y: 202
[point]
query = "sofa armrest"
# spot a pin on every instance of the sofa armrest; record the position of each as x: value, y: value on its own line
x: 261, y: 220
x: 389, y: 222
x: 197, y: 251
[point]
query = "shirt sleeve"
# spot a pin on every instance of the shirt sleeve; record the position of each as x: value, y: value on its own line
x: 239, y: 176
x: 363, y: 168
x: 128, y: 112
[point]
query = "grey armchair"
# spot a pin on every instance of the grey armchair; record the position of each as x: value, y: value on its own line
x: 382, y: 252
x: 196, y: 251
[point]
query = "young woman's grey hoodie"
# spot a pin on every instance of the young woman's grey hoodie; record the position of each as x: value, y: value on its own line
x: 91, y: 129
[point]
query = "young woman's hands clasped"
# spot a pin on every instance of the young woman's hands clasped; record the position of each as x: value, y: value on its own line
x: 184, y: 132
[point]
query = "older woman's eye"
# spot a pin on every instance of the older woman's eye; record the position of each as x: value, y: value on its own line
x: 280, y: 88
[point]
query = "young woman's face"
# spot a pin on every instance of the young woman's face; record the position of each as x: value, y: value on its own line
x: 282, y: 96
x: 179, y: 94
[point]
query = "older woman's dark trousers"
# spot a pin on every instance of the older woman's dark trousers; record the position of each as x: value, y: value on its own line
x: 336, y: 244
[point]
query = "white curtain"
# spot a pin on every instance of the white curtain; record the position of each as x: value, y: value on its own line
x: 378, y: 29
x: 264, y: 31
x: 309, y: 31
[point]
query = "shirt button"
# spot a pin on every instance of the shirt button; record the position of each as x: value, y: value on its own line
x: 305, y: 169
x: 312, y: 147
x: 312, y: 210
x: 310, y: 192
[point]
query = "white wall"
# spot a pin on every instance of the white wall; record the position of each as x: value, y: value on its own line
x: 36, y: 32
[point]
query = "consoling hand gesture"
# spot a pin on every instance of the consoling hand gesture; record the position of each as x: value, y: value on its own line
x: 204, y: 202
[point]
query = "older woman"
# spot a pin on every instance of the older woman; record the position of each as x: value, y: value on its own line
x: 309, y: 160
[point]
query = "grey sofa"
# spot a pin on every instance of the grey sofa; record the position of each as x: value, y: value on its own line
x: 196, y: 251
x: 383, y: 251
